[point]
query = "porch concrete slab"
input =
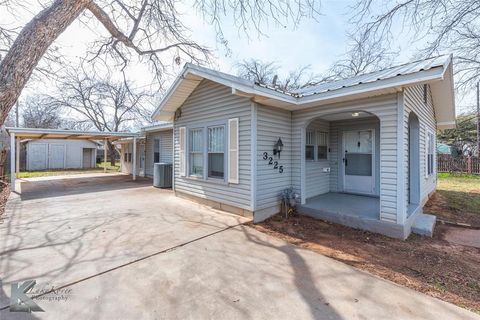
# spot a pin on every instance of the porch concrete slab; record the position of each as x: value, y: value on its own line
x: 424, y: 224
x: 110, y: 248
x: 346, y: 204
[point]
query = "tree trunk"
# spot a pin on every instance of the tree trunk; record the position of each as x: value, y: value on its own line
x: 29, y: 47
x: 112, y: 152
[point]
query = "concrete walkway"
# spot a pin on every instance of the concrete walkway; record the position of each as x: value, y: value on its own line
x: 125, y: 250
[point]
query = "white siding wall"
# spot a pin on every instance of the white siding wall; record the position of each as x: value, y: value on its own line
x: 385, y: 108
x: 166, y: 149
x: 272, y: 123
x: 414, y: 101
x: 73, y: 151
x: 211, y: 102
x: 317, y: 182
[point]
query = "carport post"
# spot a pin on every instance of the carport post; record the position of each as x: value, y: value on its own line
x: 134, y: 163
x: 105, y: 156
x: 17, y: 172
x: 12, y: 162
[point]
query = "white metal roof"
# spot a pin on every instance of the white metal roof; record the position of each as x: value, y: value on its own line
x: 36, y: 133
x: 436, y: 71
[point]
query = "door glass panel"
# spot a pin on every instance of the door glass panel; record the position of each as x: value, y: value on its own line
x: 351, y: 140
x: 358, y: 164
x: 364, y: 142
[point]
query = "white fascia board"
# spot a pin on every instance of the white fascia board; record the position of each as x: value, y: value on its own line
x: 69, y: 132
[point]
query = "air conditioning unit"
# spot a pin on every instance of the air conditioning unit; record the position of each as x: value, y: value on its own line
x: 162, y: 175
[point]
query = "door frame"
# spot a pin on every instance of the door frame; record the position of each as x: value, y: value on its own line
x: 342, y: 163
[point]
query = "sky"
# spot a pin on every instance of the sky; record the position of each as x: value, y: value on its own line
x: 317, y: 43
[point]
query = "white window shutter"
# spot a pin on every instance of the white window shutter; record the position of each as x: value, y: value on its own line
x: 233, y: 150
x: 182, y: 137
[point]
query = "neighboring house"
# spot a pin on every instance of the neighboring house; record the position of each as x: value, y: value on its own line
x: 154, y: 145
x: 359, y: 151
x: 443, y: 148
x: 46, y: 154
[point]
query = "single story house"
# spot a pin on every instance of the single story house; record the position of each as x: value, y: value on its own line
x: 358, y: 151
x: 154, y: 144
x: 43, y: 154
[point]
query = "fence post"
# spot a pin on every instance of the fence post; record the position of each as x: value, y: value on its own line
x: 469, y: 164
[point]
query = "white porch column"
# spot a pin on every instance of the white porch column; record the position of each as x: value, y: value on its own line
x: 17, y: 172
x: 105, y: 156
x: 12, y: 161
x: 134, y: 162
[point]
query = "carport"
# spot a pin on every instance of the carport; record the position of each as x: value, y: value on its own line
x: 17, y: 134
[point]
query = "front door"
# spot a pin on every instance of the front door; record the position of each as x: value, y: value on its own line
x: 141, y: 168
x: 358, y: 161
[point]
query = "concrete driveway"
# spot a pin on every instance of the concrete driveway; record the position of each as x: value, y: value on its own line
x: 119, y: 249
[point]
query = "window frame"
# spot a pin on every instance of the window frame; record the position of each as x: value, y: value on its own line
x: 224, y: 151
x: 204, y: 126
x: 189, y: 152
x: 430, y: 153
x: 315, y: 144
x: 311, y: 144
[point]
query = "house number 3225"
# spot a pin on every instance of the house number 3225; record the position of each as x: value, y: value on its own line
x: 270, y: 160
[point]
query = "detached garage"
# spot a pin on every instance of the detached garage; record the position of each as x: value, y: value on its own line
x: 46, y: 154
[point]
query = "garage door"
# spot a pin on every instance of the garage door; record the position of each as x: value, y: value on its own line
x: 37, y: 156
x: 56, y: 156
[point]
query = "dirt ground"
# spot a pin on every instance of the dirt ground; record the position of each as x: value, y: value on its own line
x: 434, y: 266
x: 442, y: 208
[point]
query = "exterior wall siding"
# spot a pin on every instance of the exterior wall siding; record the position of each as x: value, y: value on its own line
x: 272, y: 123
x: 165, y: 138
x: 414, y: 102
x: 212, y: 103
x: 317, y: 182
x: 385, y: 108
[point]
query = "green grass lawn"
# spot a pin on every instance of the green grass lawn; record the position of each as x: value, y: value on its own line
x: 457, y: 198
x: 58, y: 172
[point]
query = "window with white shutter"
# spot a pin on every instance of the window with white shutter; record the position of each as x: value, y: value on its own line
x: 182, y: 142
x: 233, y: 151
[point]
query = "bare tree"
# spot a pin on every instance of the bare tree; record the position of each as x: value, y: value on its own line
x: 438, y: 26
x: 151, y: 29
x: 102, y: 104
x: 39, y: 113
x: 266, y: 73
x: 364, y: 55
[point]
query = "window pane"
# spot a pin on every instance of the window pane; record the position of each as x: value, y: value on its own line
x: 309, y: 153
x: 196, y: 140
x: 322, y: 138
x: 216, y: 139
x: 215, y: 165
x: 156, y: 157
x: 309, y: 138
x: 358, y: 164
x: 322, y: 152
x: 196, y: 164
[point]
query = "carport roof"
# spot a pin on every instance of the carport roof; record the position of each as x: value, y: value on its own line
x: 40, y: 133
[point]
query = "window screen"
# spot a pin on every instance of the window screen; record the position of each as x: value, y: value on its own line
x: 309, y: 145
x: 322, y: 143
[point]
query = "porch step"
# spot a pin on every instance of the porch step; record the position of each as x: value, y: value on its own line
x: 424, y: 224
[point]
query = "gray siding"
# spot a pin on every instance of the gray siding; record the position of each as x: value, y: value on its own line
x: 317, y: 182
x: 414, y: 101
x: 166, y: 149
x: 272, y: 123
x: 209, y: 103
x: 385, y: 108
